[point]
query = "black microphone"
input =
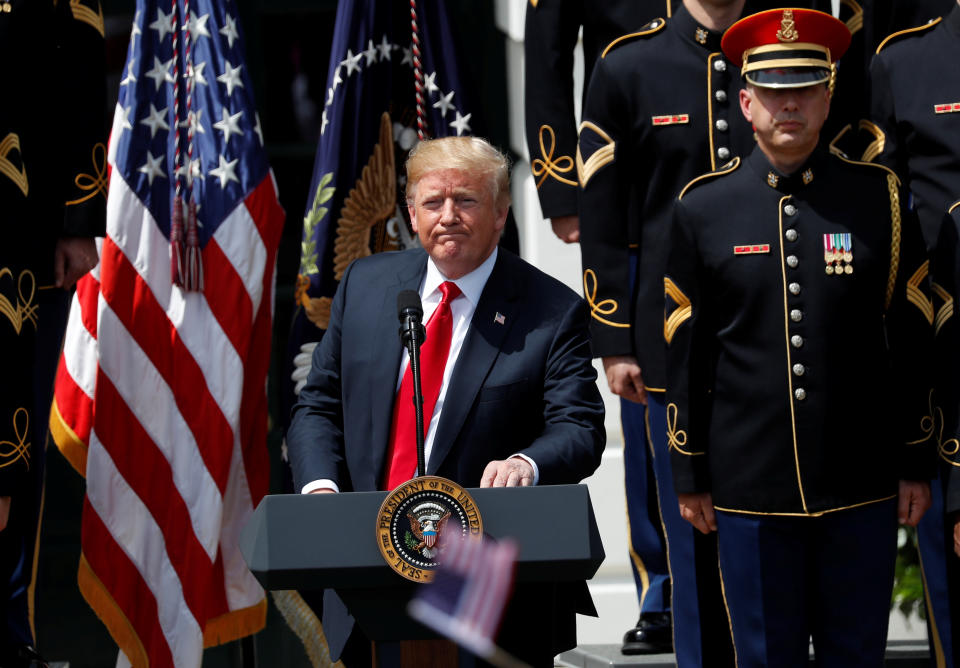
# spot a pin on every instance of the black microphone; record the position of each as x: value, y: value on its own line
x: 412, y: 335
x: 410, y: 312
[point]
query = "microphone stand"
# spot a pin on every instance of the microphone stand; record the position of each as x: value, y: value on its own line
x: 413, y: 334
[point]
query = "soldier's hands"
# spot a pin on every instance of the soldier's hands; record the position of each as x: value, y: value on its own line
x: 624, y: 378
x: 913, y: 501
x: 698, y: 510
x: 4, y: 511
x: 513, y: 472
x: 567, y: 228
x: 73, y: 257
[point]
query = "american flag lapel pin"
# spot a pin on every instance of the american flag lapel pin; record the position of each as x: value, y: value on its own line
x: 499, y: 318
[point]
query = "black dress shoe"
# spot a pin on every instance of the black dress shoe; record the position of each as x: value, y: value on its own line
x: 652, y: 635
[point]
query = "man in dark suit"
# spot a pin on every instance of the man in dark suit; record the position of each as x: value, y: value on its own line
x: 518, y: 402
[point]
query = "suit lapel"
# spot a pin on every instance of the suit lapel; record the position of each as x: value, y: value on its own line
x: 492, y: 320
x: 383, y: 381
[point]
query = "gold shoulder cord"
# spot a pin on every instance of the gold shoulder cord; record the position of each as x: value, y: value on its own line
x: 907, y: 31
x: 895, y: 232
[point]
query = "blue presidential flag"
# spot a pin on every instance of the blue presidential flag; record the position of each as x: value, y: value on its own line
x: 393, y: 78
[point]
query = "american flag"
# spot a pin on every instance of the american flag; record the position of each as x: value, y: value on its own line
x: 160, y: 398
x: 469, y: 592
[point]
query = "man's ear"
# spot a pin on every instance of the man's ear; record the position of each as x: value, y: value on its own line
x: 412, y: 211
x: 745, y: 99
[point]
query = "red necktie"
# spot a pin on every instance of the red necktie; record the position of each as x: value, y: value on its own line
x: 402, y: 453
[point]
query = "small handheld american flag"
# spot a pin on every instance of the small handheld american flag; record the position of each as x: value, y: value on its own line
x: 468, y: 595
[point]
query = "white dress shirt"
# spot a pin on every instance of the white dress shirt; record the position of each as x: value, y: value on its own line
x: 462, y: 308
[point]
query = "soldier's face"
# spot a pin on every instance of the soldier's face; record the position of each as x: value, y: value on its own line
x: 787, y: 120
x: 457, y: 220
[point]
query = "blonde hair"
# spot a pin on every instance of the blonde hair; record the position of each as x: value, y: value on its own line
x: 467, y: 154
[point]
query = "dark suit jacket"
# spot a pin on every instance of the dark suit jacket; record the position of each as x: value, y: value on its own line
x: 524, y: 386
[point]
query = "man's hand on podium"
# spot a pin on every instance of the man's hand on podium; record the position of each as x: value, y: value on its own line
x: 513, y: 472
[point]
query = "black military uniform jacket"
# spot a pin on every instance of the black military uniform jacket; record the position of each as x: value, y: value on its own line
x: 946, y: 289
x: 53, y: 169
x: 915, y: 100
x: 797, y: 386
x: 551, y: 34
x: 661, y: 109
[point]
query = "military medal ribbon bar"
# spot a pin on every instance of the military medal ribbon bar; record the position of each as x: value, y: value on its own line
x: 751, y: 249
x: 948, y: 108
x: 675, y: 119
x: 838, y: 253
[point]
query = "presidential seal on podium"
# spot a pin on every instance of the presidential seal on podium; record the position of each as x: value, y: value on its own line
x: 417, y: 517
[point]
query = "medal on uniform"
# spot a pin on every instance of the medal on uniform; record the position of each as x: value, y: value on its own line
x: 838, y: 253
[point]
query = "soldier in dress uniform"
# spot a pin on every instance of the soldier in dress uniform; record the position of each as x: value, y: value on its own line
x: 551, y: 34
x: 659, y: 111
x: 915, y: 110
x: 52, y: 198
x: 797, y: 289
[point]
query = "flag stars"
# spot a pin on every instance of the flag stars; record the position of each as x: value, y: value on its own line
x: 229, y: 124
x: 258, y: 129
x: 198, y: 26
x: 226, y: 171
x: 160, y: 72
x: 460, y: 123
x: 407, y: 57
x: 324, y: 121
x: 430, y: 82
x: 163, y: 24
x: 230, y: 77
x: 130, y: 78
x: 135, y: 30
x: 195, y: 73
x: 384, y: 47
x: 125, y: 121
x: 444, y: 104
x: 371, y: 53
x: 156, y: 120
x: 230, y: 30
x: 193, y: 173
x: 336, y: 80
x: 152, y: 168
x: 352, y: 62
x: 194, y: 122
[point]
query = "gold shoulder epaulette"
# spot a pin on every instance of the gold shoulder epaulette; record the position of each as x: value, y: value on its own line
x: 655, y: 26
x: 908, y: 31
x: 953, y: 206
x: 875, y: 165
x: 855, y: 22
x: 726, y: 169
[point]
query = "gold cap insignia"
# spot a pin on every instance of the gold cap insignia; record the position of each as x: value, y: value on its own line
x: 788, y: 29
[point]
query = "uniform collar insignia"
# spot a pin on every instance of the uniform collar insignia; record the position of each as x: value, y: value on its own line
x: 772, y: 179
x: 701, y: 35
x: 807, y: 176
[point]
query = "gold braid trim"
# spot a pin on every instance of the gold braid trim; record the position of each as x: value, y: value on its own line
x: 92, y: 18
x: 680, y: 314
x: 10, y: 452
x: 19, y: 176
x: 875, y: 147
x: 895, y: 231
x: 24, y: 310
x: 601, y: 157
x: 96, y: 183
x: 925, y: 26
x: 605, y: 307
x: 548, y: 166
x: 916, y: 296
x: 945, y: 312
x: 676, y: 438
